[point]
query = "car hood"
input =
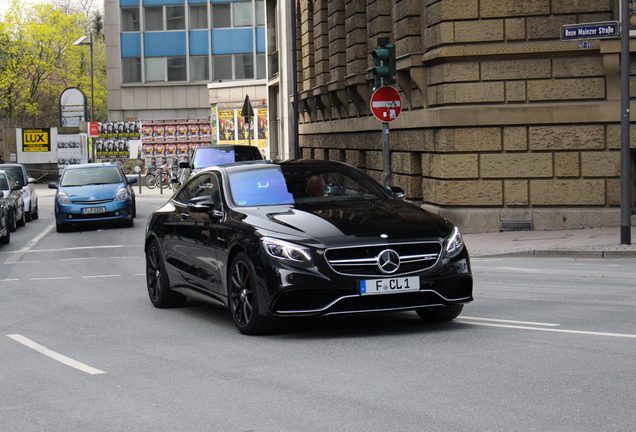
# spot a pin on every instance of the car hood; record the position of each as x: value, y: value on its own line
x: 92, y: 192
x: 353, y: 220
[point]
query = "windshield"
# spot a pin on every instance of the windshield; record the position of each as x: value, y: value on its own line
x: 300, y: 185
x: 16, y: 172
x: 92, y: 176
x: 3, y: 183
x: 207, y: 157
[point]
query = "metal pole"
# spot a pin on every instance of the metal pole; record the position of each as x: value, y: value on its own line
x: 386, y: 155
x: 295, y: 147
x: 92, y: 80
x: 625, y: 119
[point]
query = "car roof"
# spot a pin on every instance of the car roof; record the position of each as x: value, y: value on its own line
x: 92, y: 165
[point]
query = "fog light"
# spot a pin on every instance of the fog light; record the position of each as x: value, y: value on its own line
x: 116, y: 213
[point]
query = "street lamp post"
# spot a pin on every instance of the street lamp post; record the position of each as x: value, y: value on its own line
x: 88, y: 40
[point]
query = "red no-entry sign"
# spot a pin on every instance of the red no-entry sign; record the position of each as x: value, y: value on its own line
x: 386, y: 104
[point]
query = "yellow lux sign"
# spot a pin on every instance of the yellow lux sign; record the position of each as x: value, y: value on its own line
x: 36, y: 140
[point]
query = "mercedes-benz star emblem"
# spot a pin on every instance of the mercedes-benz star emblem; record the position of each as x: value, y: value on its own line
x: 388, y: 261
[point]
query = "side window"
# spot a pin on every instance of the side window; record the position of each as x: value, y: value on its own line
x: 203, y: 185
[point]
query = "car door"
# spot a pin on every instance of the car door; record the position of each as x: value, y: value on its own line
x: 194, y: 244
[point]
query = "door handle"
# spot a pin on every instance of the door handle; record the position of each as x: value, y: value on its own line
x: 184, y: 216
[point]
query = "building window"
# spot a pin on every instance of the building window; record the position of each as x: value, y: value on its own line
x: 260, y: 66
x: 177, y: 69
x: 222, y: 67
x: 153, y: 18
x: 131, y: 70
x: 198, y: 17
x: 221, y: 16
x: 130, y: 19
x: 155, y: 69
x: 199, y: 68
x: 242, y: 14
x: 243, y: 66
x: 260, y: 13
x: 175, y: 18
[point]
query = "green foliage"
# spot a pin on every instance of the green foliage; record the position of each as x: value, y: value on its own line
x: 38, y: 60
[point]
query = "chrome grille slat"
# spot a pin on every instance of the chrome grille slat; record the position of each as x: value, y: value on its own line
x: 361, y: 260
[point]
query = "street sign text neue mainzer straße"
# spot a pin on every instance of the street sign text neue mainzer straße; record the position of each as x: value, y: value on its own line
x: 596, y: 30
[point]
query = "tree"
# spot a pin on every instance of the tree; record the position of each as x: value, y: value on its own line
x: 38, y: 60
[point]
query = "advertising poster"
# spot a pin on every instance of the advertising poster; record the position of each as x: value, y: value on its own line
x: 245, y: 131
x: 113, y: 138
x: 173, y: 139
x: 226, y: 127
x: 214, y: 118
x: 70, y: 150
x: 36, y: 140
x: 263, y: 131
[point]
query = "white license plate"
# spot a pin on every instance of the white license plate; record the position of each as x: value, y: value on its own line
x: 389, y: 285
x: 93, y: 210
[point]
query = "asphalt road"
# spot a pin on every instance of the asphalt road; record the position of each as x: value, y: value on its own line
x: 548, y: 345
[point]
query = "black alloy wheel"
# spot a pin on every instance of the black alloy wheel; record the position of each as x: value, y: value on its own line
x: 157, y: 280
x: 242, y: 297
x: 440, y: 313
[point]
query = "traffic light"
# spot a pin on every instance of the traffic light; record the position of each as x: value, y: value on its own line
x: 384, y: 61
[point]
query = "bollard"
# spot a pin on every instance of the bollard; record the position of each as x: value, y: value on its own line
x: 138, y: 171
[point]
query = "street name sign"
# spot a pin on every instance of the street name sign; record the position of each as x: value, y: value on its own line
x: 596, y: 30
x: 386, y: 104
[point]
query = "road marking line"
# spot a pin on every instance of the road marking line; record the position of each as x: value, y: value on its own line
x: 101, y: 276
x: 74, y: 248
x: 22, y: 262
x: 139, y: 274
x: 37, y: 238
x: 78, y: 258
x: 511, y: 321
x: 9, y: 280
x: 55, y: 355
x: 51, y: 278
x: 581, y: 332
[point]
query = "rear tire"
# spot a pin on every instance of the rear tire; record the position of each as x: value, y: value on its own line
x: 22, y: 221
x: 150, y: 181
x: 157, y: 282
x: 440, y: 313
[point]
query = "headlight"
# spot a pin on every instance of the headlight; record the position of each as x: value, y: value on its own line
x: 62, y: 198
x: 454, y: 244
x: 122, y: 194
x: 287, y: 252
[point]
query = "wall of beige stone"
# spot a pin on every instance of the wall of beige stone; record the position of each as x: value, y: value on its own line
x: 502, y: 120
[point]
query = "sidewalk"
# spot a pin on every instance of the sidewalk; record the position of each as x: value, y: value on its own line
x: 580, y: 243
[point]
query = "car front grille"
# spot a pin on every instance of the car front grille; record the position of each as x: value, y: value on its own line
x: 91, y: 202
x: 363, y: 260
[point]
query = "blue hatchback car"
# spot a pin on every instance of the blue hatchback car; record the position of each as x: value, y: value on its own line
x: 96, y: 193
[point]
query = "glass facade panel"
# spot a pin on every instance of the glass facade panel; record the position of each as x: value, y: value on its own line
x: 222, y: 67
x: 155, y: 69
x: 198, y: 17
x: 260, y: 66
x: 243, y: 66
x: 260, y: 13
x: 175, y: 18
x: 221, y: 16
x: 199, y: 68
x: 131, y: 70
x: 153, y: 18
x: 177, y: 69
x: 242, y: 14
x: 130, y: 19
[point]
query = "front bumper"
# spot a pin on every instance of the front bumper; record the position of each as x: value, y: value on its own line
x: 73, y: 213
x: 293, y: 292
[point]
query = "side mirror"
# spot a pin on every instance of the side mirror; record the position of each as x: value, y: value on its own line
x: 397, y: 191
x: 53, y: 185
x: 184, y: 164
x: 201, y: 204
x: 131, y: 180
x: 31, y: 180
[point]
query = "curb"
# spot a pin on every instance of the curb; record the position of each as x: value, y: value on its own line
x: 562, y: 253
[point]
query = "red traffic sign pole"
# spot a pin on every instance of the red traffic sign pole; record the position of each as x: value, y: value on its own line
x: 386, y: 106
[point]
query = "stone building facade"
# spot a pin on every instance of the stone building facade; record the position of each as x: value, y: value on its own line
x: 503, y: 124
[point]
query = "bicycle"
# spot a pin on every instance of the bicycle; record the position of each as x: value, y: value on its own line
x: 163, y: 172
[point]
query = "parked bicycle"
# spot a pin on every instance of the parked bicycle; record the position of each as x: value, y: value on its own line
x: 161, y: 173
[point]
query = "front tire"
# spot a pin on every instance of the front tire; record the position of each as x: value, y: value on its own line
x: 157, y: 282
x: 7, y: 236
x: 242, y: 290
x: 22, y: 221
x: 440, y: 313
x: 60, y: 228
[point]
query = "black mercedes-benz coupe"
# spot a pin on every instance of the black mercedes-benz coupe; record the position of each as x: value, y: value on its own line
x: 303, y: 238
